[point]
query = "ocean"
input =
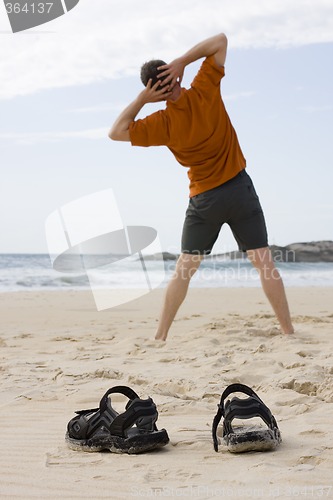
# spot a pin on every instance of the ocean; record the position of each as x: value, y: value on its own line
x: 32, y: 272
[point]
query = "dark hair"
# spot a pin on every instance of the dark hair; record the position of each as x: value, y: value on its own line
x: 149, y: 70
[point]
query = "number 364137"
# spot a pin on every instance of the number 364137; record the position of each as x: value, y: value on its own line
x: 29, y: 8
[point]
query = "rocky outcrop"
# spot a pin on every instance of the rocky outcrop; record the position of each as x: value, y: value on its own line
x: 314, y: 251
x: 162, y: 256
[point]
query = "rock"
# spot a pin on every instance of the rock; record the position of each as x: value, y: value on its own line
x: 283, y: 254
x: 162, y: 256
x: 314, y: 251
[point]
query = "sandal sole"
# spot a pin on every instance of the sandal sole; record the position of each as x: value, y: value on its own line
x: 115, y: 444
x: 254, y: 440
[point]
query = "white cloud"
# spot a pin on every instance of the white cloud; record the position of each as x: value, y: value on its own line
x: 115, y: 106
x: 106, y: 39
x: 31, y: 138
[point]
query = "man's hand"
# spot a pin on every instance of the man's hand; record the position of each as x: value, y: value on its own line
x: 173, y: 72
x: 152, y: 93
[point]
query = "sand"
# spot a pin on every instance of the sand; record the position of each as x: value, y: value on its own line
x: 58, y: 355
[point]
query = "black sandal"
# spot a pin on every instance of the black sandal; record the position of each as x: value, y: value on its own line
x: 240, y: 439
x: 104, y: 429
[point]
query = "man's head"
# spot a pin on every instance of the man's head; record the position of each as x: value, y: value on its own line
x: 149, y: 71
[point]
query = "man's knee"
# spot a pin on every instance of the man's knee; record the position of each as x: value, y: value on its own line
x: 263, y: 261
x: 260, y: 257
x: 187, y: 265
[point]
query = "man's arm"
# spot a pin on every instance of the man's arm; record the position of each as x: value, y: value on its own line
x: 120, y: 128
x: 216, y: 45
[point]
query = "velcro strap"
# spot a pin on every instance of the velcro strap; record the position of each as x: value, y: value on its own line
x: 245, y: 409
x: 142, y: 412
x: 237, y: 388
x: 216, y: 422
x: 118, y: 389
x: 86, y: 412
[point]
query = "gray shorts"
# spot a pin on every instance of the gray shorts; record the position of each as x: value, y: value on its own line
x: 235, y: 203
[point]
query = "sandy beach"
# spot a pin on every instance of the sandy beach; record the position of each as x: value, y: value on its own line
x: 58, y: 355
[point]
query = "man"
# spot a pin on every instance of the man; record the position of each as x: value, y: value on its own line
x: 196, y: 128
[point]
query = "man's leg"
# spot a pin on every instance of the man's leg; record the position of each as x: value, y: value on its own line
x: 272, y: 285
x: 176, y: 291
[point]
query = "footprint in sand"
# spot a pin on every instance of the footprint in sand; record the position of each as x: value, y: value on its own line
x: 196, y: 442
x: 63, y: 458
x: 306, y: 387
x: 312, y: 432
x: 181, y: 390
x: 263, y: 332
x: 137, y: 380
x: 111, y: 374
x: 309, y: 460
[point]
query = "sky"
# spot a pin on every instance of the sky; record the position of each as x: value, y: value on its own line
x: 63, y: 84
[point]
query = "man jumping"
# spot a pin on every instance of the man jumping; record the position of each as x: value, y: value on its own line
x: 197, y: 129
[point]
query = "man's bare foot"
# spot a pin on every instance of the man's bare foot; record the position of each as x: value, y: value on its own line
x: 159, y: 336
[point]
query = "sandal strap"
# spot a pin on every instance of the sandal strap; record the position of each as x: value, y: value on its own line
x: 119, y: 389
x: 238, y: 408
x: 141, y: 412
x: 85, y: 412
x: 216, y: 422
x: 237, y: 388
x: 245, y: 409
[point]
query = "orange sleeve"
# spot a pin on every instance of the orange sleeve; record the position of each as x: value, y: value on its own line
x: 150, y: 131
x: 210, y: 74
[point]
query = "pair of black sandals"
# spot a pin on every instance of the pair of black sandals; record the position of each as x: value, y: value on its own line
x: 134, y: 431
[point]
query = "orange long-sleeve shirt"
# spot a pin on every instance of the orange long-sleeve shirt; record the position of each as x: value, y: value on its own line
x: 197, y: 130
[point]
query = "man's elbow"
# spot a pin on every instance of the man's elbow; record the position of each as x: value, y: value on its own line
x: 223, y: 39
x: 113, y: 135
x: 116, y: 134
